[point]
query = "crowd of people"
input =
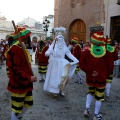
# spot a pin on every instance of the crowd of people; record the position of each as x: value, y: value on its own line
x: 57, y: 62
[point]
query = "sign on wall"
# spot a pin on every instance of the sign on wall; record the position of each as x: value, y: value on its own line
x: 96, y: 29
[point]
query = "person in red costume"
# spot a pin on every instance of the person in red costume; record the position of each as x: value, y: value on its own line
x: 109, y: 79
x: 96, y: 62
x: 20, y: 79
x: 42, y: 60
x: 76, y: 51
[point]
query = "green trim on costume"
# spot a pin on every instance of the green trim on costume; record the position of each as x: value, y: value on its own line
x: 110, y: 48
x: 75, y: 41
x: 97, y: 51
x: 22, y: 33
x: 97, y: 41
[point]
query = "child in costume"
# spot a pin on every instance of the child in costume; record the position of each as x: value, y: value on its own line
x: 42, y: 60
x: 76, y: 51
x: 20, y: 78
x: 97, y: 63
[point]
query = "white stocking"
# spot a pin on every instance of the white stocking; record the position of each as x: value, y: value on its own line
x: 107, y: 88
x: 13, y: 116
x: 41, y: 76
x: 79, y: 75
x: 23, y: 111
x: 44, y: 76
x: 97, y: 106
x: 88, y: 100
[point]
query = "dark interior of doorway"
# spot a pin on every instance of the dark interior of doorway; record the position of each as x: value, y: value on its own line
x: 115, y: 29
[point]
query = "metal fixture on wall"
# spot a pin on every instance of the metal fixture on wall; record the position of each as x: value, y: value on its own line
x: 46, y: 25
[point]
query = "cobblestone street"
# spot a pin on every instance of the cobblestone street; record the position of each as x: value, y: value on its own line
x: 70, y: 107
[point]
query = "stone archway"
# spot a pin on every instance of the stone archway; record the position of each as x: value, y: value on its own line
x: 78, y: 29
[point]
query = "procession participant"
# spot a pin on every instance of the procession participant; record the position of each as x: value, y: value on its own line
x: 76, y: 51
x: 58, y: 68
x: 97, y: 64
x: 20, y: 79
x: 114, y: 53
x: 116, y: 69
x: 42, y: 60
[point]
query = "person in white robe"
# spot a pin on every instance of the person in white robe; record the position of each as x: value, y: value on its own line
x: 59, y: 69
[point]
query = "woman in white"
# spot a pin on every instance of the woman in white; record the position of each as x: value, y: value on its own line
x: 58, y: 67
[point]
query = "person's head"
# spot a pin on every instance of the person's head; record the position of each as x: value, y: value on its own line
x: 116, y: 43
x: 98, y: 39
x: 59, y: 31
x: 87, y: 44
x: 10, y: 40
x: 42, y: 43
x: 27, y: 41
x: 74, y: 41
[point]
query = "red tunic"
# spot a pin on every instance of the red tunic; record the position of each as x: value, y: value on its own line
x: 42, y: 59
x: 77, y: 51
x: 19, y: 72
x: 103, y: 66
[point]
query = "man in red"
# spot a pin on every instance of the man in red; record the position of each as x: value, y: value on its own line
x: 96, y: 62
x: 109, y: 79
x: 20, y: 79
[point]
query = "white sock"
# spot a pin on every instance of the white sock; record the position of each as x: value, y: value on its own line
x: 40, y: 76
x: 44, y: 76
x: 88, y: 100
x: 23, y: 111
x: 97, y: 106
x: 13, y: 116
x: 107, y: 88
x: 79, y: 75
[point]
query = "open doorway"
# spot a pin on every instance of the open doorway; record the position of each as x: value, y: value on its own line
x: 115, y: 29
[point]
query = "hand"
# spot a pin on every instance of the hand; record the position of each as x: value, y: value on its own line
x: 33, y: 78
x: 94, y: 74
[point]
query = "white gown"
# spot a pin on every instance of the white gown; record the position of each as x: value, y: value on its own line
x: 56, y: 65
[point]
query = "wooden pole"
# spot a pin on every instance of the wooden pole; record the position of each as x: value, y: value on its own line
x: 54, y: 43
x: 20, y: 42
x: 106, y: 41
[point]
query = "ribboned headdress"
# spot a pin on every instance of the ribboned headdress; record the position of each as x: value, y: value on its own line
x: 98, y: 38
x: 23, y: 33
x: 97, y: 48
x: 109, y: 47
x: 74, y: 40
x: 59, y: 30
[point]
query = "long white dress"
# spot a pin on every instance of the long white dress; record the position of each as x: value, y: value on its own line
x: 57, y: 62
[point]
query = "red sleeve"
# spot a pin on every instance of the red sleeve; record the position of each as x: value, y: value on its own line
x: 77, y: 52
x: 115, y: 55
x: 85, y: 56
x: 110, y: 63
x: 18, y: 66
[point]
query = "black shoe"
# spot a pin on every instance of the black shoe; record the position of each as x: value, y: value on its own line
x: 42, y: 80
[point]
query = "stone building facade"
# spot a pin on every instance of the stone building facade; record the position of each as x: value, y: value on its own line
x: 83, y: 17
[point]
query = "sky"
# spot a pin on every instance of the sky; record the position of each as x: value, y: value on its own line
x: 18, y: 10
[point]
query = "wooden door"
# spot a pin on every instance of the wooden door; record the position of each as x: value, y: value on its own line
x: 77, y: 29
x: 115, y: 29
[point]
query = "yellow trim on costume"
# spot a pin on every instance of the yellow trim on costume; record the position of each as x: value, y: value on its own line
x: 16, y: 103
x: 16, y: 43
x: 18, y: 95
x: 17, y: 111
x: 40, y: 52
x: 97, y: 56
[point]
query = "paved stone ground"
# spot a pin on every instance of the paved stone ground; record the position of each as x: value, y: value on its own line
x: 70, y: 107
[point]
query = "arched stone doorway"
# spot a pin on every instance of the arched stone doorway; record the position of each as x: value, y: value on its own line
x: 78, y: 29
